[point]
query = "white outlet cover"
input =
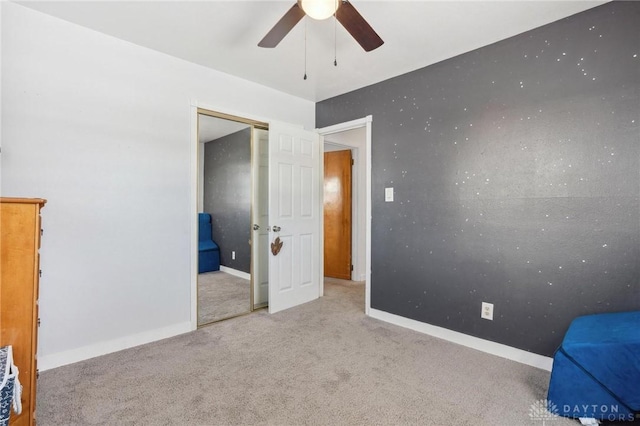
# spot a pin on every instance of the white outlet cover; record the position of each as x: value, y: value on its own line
x: 487, y: 311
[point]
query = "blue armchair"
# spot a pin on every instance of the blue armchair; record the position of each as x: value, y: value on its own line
x: 596, y: 370
x: 208, y: 250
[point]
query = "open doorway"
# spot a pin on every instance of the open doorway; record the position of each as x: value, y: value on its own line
x: 355, y: 137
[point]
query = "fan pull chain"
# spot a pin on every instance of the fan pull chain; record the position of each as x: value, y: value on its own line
x: 305, y: 50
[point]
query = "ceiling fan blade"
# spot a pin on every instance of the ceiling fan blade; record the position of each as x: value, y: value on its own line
x: 282, y: 28
x: 359, y: 29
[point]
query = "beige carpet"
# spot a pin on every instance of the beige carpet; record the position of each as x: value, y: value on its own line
x: 322, y: 363
x: 222, y: 295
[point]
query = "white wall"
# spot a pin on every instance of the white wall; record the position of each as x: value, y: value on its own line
x: 101, y: 129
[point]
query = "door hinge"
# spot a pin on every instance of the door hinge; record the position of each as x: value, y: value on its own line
x: 353, y: 162
x: 351, y: 268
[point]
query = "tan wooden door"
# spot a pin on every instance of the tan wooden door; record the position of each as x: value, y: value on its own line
x: 337, y: 214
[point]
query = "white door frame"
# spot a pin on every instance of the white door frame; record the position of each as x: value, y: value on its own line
x: 341, y: 127
x: 194, y: 157
x: 259, y: 202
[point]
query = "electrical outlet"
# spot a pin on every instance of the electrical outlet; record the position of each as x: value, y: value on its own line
x: 487, y: 311
x: 233, y: 255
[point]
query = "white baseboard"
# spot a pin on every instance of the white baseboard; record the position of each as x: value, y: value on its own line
x: 493, y: 348
x: 235, y: 272
x: 59, y: 359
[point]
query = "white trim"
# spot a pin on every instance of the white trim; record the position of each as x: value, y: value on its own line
x: 367, y: 211
x: 102, y: 348
x: 341, y: 127
x: 193, y: 211
x: 321, y: 213
x: 487, y: 346
x: 235, y: 272
x: 347, y: 125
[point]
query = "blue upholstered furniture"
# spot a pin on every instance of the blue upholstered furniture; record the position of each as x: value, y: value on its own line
x: 596, y: 370
x: 208, y: 250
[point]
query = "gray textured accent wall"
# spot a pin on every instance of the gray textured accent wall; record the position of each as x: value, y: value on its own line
x: 516, y: 170
x: 227, y: 196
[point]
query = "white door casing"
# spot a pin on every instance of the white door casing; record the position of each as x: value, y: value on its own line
x: 260, y: 217
x: 364, y: 148
x: 295, y: 272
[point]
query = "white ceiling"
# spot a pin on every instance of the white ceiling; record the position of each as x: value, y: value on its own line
x: 212, y: 128
x: 223, y: 35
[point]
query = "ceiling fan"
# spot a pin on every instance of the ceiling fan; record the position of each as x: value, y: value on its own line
x: 344, y: 12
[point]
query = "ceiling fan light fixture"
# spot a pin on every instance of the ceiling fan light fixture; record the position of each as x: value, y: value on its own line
x: 319, y: 9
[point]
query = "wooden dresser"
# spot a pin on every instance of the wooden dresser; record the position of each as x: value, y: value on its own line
x: 19, y: 274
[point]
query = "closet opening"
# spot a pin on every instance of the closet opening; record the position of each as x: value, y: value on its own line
x: 232, y: 275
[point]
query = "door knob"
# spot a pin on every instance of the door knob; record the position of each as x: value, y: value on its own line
x: 276, y: 229
x: 256, y: 227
